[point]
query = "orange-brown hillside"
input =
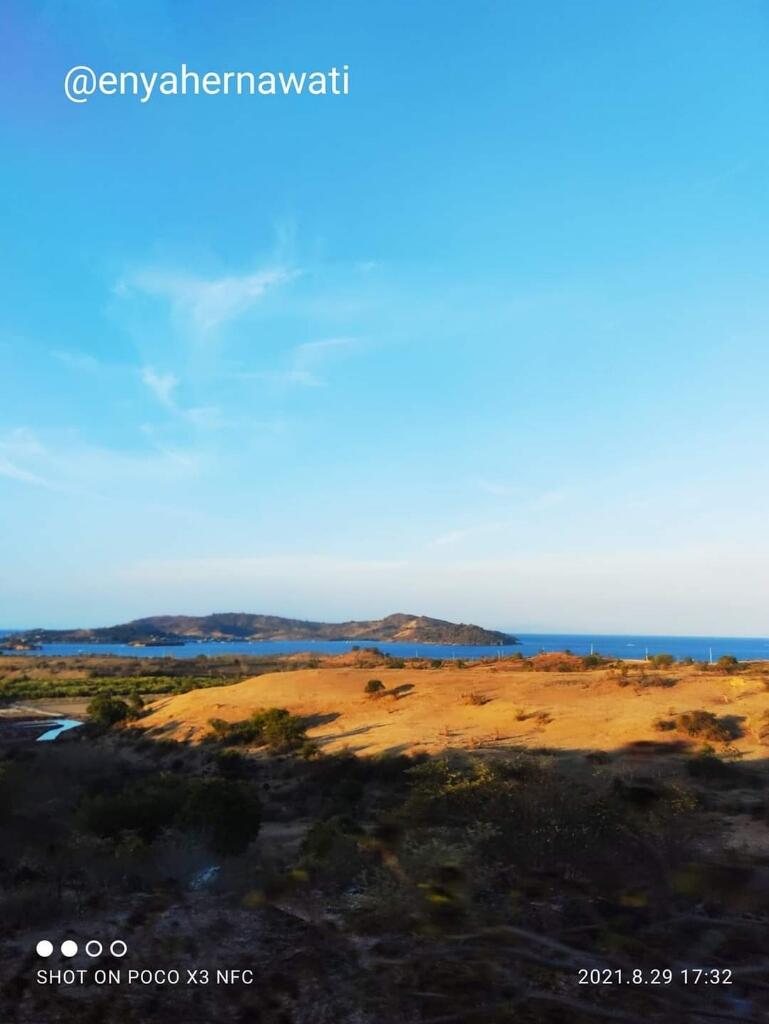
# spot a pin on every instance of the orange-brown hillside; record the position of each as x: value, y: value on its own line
x: 430, y: 709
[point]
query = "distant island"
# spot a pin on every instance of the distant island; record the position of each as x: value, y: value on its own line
x: 157, y: 630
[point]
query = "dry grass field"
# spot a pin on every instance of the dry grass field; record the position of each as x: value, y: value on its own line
x: 492, y: 705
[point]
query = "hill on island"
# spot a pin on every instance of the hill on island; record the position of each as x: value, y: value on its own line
x: 398, y: 628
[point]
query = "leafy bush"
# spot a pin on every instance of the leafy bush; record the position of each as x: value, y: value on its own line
x: 727, y: 663
x: 374, y: 686
x: 223, y: 812
x: 145, y: 808
x: 707, y: 726
x: 664, y: 724
x: 275, y: 728
x: 226, y: 813
x: 707, y: 767
x: 593, y: 661
x: 529, y: 818
x: 230, y: 764
x: 647, y: 681
x: 106, y: 710
x: 662, y: 660
x: 332, y: 845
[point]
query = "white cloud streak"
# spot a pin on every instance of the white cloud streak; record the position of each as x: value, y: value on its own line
x: 68, y: 464
x: 206, y: 304
x: 162, y: 385
x: 305, y: 363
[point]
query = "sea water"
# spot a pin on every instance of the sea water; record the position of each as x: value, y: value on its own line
x: 636, y: 646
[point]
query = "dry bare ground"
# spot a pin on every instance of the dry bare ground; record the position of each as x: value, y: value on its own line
x: 481, y: 706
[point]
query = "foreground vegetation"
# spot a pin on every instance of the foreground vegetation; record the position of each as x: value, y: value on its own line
x: 29, y: 677
x: 467, y: 887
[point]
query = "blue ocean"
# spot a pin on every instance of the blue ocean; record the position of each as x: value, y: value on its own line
x: 701, y: 648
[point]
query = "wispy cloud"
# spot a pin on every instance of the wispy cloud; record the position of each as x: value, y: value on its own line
x: 304, y: 363
x: 526, y: 500
x: 19, y: 449
x: 206, y: 304
x: 311, y: 355
x: 80, y: 361
x: 65, y: 462
x: 285, y: 377
x: 312, y: 351
x: 450, y: 537
x: 13, y: 472
x: 162, y: 385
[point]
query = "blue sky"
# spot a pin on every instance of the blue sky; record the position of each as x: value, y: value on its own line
x: 485, y: 339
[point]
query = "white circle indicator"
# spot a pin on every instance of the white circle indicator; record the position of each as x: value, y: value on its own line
x: 118, y: 948
x: 93, y: 947
x: 69, y: 948
x: 44, y: 947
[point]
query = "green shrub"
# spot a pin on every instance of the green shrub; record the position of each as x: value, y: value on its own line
x: 374, y: 686
x: 530, y: 817
x: 707, y: 726
x: 707, y: 767
x: 225, y: 813
x: 145, y: 808
x: 106, y: 710
x: 646, y: 681
x: 727, y: 663
x: 332, y: 843
x: 592, y: 661
x: 280, y: 729
x: 230, y: 764
x: 662, y: 660
x: 275, y: 728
